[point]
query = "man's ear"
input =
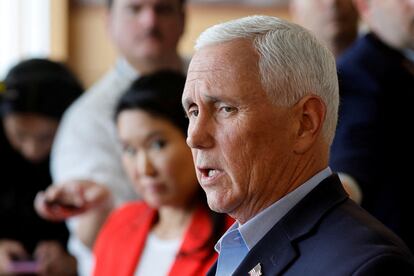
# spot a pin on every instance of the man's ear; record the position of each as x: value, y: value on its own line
x: 310, y: 113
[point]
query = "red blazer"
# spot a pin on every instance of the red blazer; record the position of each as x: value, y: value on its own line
x: 121, y: 241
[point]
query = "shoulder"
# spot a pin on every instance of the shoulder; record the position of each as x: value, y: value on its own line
x: 369, y: 67
x: 386, y: 264
x: 94, y: 98
x: 327, y: 224
x: 125, y: 230
x: 123, y: 220
x: 349, y: 238
x: 88, y: 125
x: 101, y: 98
x: 353, y: 68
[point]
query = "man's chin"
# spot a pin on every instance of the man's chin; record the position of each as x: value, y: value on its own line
x: 151, y: 54
x: 151, y: 48
x: 218, y: 204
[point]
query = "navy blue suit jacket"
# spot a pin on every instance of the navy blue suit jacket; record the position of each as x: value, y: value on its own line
x: 376, y: 85
x: 326, y: 233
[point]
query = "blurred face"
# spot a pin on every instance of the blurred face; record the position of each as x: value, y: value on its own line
x: 241, y: 143
x: 30, y: 134
x: 145, y: 30
x: 330, y: 20
x: 393, y: 21
x: 157, y: 159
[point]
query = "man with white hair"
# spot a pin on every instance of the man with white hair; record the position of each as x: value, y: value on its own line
x: 86, y: 156
x: 262, y: 99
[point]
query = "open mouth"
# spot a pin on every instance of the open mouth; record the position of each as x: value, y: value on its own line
x: 208, y: 175
x: 208, y: 172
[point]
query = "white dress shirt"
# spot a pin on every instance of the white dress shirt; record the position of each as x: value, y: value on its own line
x: 86, y: 147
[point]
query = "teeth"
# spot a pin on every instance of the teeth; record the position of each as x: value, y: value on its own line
x: 211, y: 173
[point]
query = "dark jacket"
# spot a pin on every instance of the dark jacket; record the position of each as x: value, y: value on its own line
x: 376, y: 85
x: 326, y: 233
x: 20, y: 180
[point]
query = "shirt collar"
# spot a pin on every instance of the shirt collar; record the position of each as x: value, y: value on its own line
x: 125, y: 69
x: 234, y: 226
x: 255, y: 228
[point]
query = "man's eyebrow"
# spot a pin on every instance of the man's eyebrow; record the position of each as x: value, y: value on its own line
x: 212, y: 99
x: 188, y: 102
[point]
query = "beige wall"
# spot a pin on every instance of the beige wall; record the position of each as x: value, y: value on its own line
x: 90, y: 52
x: 59, y: 11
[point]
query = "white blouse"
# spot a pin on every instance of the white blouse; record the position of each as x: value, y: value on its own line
x: 158, y: 256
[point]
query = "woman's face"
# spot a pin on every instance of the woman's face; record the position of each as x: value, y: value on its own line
x: 157, y: 159
x: 30, y: 134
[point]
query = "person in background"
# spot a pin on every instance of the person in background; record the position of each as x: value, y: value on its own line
x: 334, y: 22
x: 86, y: 151
x: 171, y: 232
x: 34, y: 95
x: 262, y: 99
x: 376, y: 87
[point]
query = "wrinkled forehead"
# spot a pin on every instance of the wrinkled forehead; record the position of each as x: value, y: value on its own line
x: 226, y: 69
x: 237, y: 57
x: 208, y: 64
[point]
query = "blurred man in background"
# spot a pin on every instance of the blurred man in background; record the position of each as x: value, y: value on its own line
x: 334, y: 22
x: 376, y: 78
x: 87, y: 151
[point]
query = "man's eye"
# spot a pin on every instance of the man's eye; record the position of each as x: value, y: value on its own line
x: 193, y: 113
x: 227, y: 109
x: 134, y: 9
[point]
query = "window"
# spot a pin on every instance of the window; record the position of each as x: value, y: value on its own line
x: 24, y: 31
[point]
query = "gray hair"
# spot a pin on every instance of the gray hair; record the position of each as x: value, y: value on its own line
x: 292, y: 62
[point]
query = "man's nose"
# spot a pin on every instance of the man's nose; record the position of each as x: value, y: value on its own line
x: 148, y: 17
x: 199, y: 134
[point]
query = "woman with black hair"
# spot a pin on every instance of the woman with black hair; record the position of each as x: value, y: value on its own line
x: 172, y: 231
x: 33, y: 97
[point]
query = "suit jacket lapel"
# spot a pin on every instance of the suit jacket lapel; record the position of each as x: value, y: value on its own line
x: 276, y: 251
